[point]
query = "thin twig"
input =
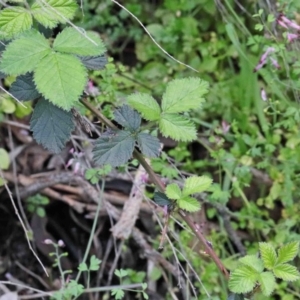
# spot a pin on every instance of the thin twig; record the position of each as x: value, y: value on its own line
x: 152, y: 38
x: 22, y: 224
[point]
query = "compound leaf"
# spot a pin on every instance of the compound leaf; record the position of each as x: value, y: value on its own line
x: 173, y: 191
x: 94, y: 62
x: 22, y: 55
x: 128, y: 118
x: 267, y: 283
x: 14, y: 21
x: 116, y: 150
x: 288, y: 252
x: 161, y: 199
x: 184, y: 94
x: 252, y: 261
x: 146, y: 105
x: 177, y: 127
x: 242, y: 280
x: 24, y: 88
x: 51, y: 126
x: 51, y: 12
x: 79, y: 42
x: 196, y: 184
x: 268, y: 255
x: 286, y: 272
x: 61, y: 78
x: 189, y: 204
x: 148, y: 144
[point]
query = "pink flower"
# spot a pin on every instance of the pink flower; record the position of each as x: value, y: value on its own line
x: 289, y: 23
x: 275, y: 63
x: 263, y: 95
x: 61, y: 243
x: 225, y: 127
x: 292, y: 36
x: 48, y: 242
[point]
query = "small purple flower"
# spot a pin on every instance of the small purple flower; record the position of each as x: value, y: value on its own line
x: 289, y: 23
x: 263, y: 95
x: 292, y: 36
x: 275, y: 63
x: 61, y: 243
x: 48, y: 242
x: 225, y: 127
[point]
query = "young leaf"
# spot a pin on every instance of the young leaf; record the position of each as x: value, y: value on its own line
x: 94, y: 62
x: 114, y: 151
x: 83, y: 267
x: 121, y: 273
x: 286, y: 272
x: 288, y: 252
x: 267, y: 283
x: 146, y: 105
x: 268, y: 255
x: 24, y: 88
x: 148, y: 144
x: 128, y: 118
x: 252, y: 261
x: 78, y: 42
x: 177, y: 127
x: 117, y: 293
x: 161, y: 199
x: 196, y: 184
x: 51, y: 12
x: 94, y: 263
x: 184, y: 94
x: 173, y: 191
x: 189, y: 204
x: 61, y: 78
x: 14, y: 21
x: 51, y: 126
x: 22, y: 55
x: 242, y: 280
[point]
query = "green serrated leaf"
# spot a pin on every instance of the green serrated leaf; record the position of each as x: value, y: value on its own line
x: 51, y: 126
x: 161, y: 199
x: 23, y: 54
x: 173, y: 191
x: 128, y: 118
x: 14, y: 21
x: 288, y: 252
x: 189, y: 204
x: 116, y: 150
x: 267, y: 283
x: 146, y: 105
x: 184, y: 94
x: 79, y: 42
x: 94, y: 263
x: 268, y: 255
x: 177, y: 127
x: 94, y: 62
x: 117, y: 293
x: 51, y: 12
x: 24, y: 88
x: 61, y: 78
x: 242, y: 280
x: 196, y: 184
x: 286, y: 272
x: 252, y: 261
x: 83, y: 267
x: 148, y: 144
